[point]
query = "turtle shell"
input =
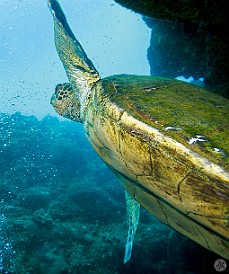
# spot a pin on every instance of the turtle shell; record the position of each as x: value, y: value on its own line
x: 167, y: 142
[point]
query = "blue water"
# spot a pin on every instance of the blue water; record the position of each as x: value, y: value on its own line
x: 61, y: 208
x: 29, y: 65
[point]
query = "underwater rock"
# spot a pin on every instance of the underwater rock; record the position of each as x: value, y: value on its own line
x: 34, y: 198
x: 212, y: 12
x: 200, y: 30
x: 173, y: 44
x: 42, y: 219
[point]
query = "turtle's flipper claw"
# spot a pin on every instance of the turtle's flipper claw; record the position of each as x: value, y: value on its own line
x: 133, y: 212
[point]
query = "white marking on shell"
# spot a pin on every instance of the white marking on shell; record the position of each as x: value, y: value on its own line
x: 198, y: 138
x: 172, y: 128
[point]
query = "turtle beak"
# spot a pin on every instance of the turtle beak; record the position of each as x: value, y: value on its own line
x: 54, y: 101
x: 53, y: 98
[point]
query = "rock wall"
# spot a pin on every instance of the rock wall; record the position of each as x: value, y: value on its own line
x: 188, y: 38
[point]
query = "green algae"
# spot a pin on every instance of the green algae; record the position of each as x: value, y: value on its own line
x: 178, y: 109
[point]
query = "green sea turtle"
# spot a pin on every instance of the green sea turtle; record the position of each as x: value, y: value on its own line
x: 165, y: 140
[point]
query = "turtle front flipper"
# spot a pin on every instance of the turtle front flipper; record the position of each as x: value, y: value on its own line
x: 133, y: 213
x: 79, y: 68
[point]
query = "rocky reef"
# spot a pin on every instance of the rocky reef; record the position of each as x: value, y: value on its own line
x: 188, y: 38
x: 62, y: 210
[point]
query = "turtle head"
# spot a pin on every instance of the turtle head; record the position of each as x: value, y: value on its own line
x: 65, y: 102
x: 80, y: 70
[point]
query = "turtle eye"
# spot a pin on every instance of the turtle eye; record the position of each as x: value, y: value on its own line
x: 58, y: 89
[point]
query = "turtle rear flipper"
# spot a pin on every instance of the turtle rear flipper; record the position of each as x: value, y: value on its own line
x: 133, y: 212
